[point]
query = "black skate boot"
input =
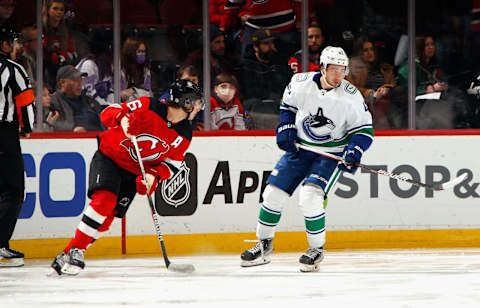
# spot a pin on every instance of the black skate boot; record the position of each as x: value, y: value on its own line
x: 258, y: 254
x: 310, y: 260
x: 75, y: 261
x: 69, y: 264
x: 59, y: 262
x: 10, y: 257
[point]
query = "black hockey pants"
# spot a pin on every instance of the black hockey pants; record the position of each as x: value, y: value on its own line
x: 12, y: 181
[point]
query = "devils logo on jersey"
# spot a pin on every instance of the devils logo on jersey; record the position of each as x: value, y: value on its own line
x: 150, y: 147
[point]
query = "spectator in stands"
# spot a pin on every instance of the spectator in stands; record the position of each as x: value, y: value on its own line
x: 376, y: 84
x: 225, y: 106
x: 189, y: 72
x: 279, y: 16
x: 7, y: 24
x: 136, y: 77
x: 58, y: 43
x: 77, y: 111
x: 428, y: 70
x: 7, y: 7
x: 432, y: 113
x: 315, y: 47
x: 219, y: 61
x: 98, y: 66
x: 233, y: 27
x: 28, y: 59
x: 264, y: 75
x: 49, y: 115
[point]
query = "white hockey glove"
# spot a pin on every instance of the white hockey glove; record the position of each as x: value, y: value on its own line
x: 129, y: 125
x: 149, y: 185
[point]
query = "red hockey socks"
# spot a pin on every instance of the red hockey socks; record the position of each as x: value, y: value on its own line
x: 97, y: 217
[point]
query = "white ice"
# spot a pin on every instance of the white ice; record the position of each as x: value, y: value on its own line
x: 378, y: 278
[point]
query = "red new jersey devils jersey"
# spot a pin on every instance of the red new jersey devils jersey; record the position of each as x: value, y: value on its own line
x: 162, y: 144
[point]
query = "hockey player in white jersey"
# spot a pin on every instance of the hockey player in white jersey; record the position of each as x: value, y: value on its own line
x: 320, y: 110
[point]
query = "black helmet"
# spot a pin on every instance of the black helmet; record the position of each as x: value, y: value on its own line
x: 184, y: 93
x: 8, y: 35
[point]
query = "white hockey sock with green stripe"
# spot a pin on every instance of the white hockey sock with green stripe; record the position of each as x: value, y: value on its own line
x: 273, y: 201
x: 311, y: 200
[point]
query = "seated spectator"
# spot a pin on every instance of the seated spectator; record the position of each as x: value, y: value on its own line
x: 77, y: 112
x: 225, y: 106
x: 7, y: 7
x: 136, y: 79
x: 219, y: 61
x: 444, y: 112
x: 376, y: 84
x: 315, y: 47
x: 189, y: 72
x: 7, y: 25
x: 233, y: 27
x: 263, y: 75
x: 58, y: 43
x: 428, y: 69
x: 99, y: 68
x: 28, y: 59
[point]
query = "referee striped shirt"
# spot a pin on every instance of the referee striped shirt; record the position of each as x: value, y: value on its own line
x: 16, y: 95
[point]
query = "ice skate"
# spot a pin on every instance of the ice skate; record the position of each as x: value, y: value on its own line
x: 310, y: 260
x: 10, y: 258
x: 69, y: 264
x: 258, y: 254
x: 59, y: 262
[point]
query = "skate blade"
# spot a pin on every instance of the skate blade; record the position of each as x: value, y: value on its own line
x: 306, y: 268
x: 257, y: 262
x: 71, y: 270
x: 14, y: 262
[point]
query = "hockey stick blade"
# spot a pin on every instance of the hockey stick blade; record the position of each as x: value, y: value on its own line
x: 451, y: 183
x: 181, y: 268
x: 398, y: 177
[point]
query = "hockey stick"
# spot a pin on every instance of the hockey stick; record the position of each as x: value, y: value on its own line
x: 181, y: 268
x: 398, y: 177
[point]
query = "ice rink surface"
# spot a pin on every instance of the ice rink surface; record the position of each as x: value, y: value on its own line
x: 375, y: 278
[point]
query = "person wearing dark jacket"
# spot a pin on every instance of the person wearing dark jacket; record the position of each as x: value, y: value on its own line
x: 77, y: 111
x: 263, y: 74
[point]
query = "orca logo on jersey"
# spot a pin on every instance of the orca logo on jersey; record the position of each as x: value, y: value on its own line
x: 150, y: 147
x: 318, y: 127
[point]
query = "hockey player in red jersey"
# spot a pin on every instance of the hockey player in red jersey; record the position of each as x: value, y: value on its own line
x: 163, y: 133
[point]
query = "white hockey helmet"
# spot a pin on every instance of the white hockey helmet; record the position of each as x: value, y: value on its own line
x: 334, y: 55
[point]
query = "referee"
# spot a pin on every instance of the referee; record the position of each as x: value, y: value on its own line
x: 16, y: 118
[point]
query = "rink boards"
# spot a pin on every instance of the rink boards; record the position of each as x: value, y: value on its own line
x: 213, y: 204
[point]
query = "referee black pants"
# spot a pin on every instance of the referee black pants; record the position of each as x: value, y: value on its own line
x: 12, y: 181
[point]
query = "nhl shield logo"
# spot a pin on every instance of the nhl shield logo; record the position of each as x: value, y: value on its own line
x: 175, y: 191
x: 177, y: 196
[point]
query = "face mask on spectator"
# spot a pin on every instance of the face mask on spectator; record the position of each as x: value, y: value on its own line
x: 225, y: 92
x: 141, y: 57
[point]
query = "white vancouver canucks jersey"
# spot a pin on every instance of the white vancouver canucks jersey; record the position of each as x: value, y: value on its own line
x: 326, y: 119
